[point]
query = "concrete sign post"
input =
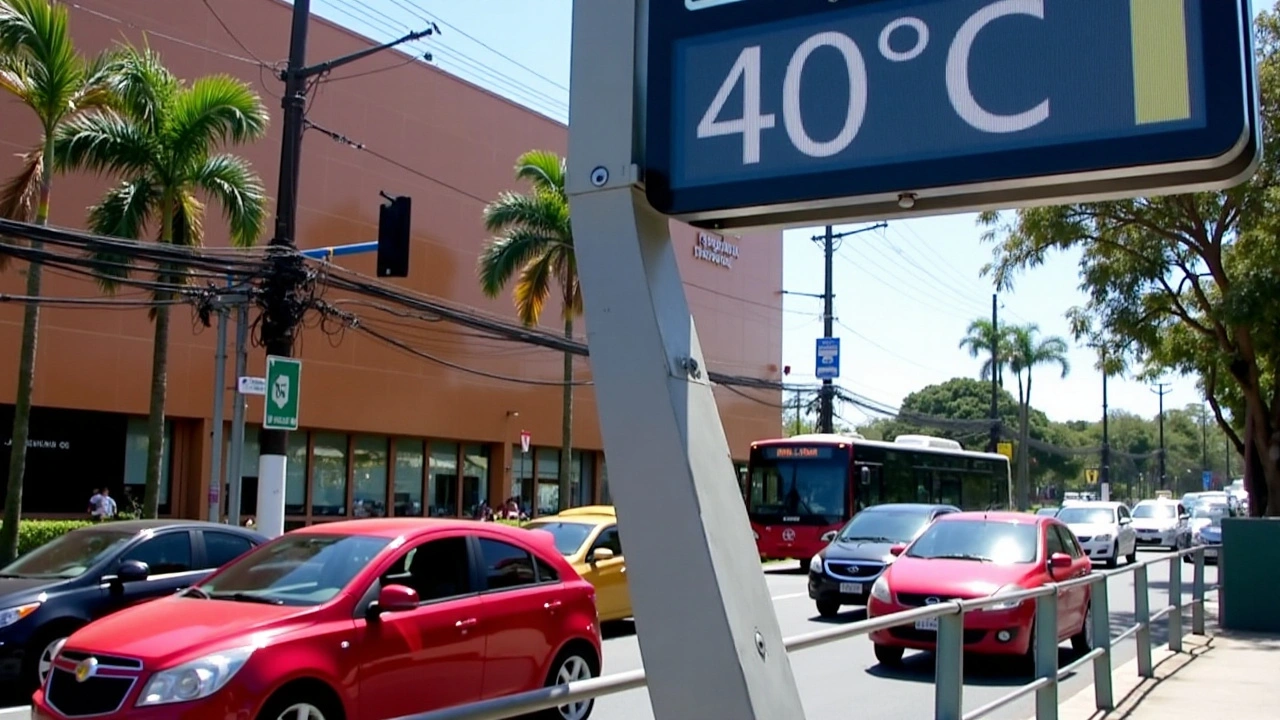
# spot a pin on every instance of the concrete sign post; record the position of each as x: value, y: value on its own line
x: 755, y: 113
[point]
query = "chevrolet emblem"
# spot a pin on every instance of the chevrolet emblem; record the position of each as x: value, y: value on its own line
x: 86, y: 668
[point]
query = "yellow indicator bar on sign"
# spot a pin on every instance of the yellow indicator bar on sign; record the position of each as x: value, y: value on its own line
x: 1161, y: 71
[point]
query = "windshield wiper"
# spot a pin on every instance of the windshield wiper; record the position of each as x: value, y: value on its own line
x: 867, y: 538
x: 245, y: 597
x: 12, y: 576
x: 958, y: 556
x: 194, y: 591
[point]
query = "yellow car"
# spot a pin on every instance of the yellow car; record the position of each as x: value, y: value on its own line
x: 588, y: 539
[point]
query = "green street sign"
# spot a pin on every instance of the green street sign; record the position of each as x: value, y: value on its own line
x: 284, y: 385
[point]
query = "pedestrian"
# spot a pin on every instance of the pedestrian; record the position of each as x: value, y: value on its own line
x: 94, y: 499
x: 106, y: 505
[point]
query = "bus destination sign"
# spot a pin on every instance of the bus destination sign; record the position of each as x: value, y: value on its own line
x: 791, y: 452
x: 777, y: 112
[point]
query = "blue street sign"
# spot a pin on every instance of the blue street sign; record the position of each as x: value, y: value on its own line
x: 1207, y: 478
x: 790, y: 110
x: 827, y: 364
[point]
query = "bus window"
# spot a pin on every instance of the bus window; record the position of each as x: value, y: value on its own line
x: 947, y: 490
x: 867, y: 490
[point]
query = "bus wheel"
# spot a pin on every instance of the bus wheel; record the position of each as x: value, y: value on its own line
x: 828, y: 608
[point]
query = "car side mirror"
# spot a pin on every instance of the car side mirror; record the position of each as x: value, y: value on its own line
x: 1184, y: 516
x: 1126, y: 521
x: 394, y: 598
x: 599, y: 554
x: 897, y: 549
x: 866, y: 475
x: 1060, y: 561
x: 132, y: 571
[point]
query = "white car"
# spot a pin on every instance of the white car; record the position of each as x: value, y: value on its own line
x: 1105, y: 530
x: 1162, y: 523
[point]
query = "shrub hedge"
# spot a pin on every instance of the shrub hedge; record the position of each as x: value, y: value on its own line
x: 34, y: 533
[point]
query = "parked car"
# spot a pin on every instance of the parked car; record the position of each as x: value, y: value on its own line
x: 973, y: 555
x: 1163, y: 523
x: 588, y: 538
x: 843, y: 572
x: 1104, y: 529
x: 360, y: 620
x: 1207, y: 534
x: 54, y: 590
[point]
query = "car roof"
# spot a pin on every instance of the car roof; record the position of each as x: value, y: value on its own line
x: 1159, y: 501
x: 391, y: 527
x: 1097, y: 503
x: 1009, y: 516
x: 908, y: 507
x: 137, y: 526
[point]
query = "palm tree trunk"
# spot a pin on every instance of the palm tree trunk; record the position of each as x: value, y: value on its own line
x: 566, y: 426
x: 1024, y: 495
x: 155, y: 420
x: 26, y: 375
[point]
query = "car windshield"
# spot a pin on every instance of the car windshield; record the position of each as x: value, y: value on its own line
x: 808, y: 483
x: 569, y: 536
x: 1003, y: 543
x: 301, y: 569
x: 1048, y: 512
x: 1087, y: 516
x: 1212, y: 513
x: 69, y: 556
x: 1158, y: 511
x: 884, y: 526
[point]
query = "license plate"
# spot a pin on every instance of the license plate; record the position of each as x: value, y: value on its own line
x: 927, y: 624
x: 851, y: 588
x: 1211, y: 552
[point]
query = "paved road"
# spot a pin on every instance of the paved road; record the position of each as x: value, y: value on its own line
x: 837, y: 677
x: 840, y: 676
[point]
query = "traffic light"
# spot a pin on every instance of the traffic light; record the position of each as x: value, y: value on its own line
x: 393, y: 236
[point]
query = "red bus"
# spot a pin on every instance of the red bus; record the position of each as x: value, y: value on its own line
x: 801, y: 490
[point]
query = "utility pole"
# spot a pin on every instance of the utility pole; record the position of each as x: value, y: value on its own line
x: 282, y: 308
x: 994, y: 443
x: 1104, y: 473
x: 1204, y: 437
x: 1162, y: 389
x: 235, y: 457
x: 216, y: 487
x: 827, y: 400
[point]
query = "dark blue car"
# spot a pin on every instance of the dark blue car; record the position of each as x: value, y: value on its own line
x: 56, y: 589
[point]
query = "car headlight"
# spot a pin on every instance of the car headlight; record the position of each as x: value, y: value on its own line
x: 1102, y: 538
x: 880, y: 590
x: 9, y: 616
x: 196, y: 679
x: 1008, y: 604
x: 828, y: 536
x: 815, y: 564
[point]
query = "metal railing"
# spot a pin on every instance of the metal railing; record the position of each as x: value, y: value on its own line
x: 949, y: 665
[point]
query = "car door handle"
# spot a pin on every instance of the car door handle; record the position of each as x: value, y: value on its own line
x: 552, y: 605
x: 463, y: 624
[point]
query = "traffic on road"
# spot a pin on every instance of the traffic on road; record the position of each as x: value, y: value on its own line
x: 382, y: 618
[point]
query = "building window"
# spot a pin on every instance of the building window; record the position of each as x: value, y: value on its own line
x: 475, y: 478
x: 295, y: 474
x: 522, y: 477
x: 408, y: 478
x: 584, y: 469
x: 135, y: 464
x: 442, y: 479
x: 548, y: 468
x: 605, y: 497
x: 329, y: 474
x: 369, y: 457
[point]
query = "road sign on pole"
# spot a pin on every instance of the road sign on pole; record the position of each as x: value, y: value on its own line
x: 1005, y: 449
x: 252, y: 385
x: 827, y: 363
x: 525, y: 439
x: 1206, y: 477
x: 775, y: 113
x: 284, y: 385
x: 1091, y: 475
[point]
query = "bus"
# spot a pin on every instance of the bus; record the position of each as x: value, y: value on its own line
x: 801, y: 490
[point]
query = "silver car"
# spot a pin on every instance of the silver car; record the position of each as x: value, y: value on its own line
x: 1162, y: 523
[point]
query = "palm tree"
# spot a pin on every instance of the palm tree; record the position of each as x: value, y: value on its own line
x: 1026, y: 352
x: 161, y: 145
x: 980, y: 338
x: 534, y: 246
x: 40, y: 68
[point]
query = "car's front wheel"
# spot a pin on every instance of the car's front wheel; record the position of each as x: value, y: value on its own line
x: 889, y: 655
x: 828, y: 608
x: 295, y: 709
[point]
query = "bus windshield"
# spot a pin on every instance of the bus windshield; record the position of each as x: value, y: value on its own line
x: 806, y: 483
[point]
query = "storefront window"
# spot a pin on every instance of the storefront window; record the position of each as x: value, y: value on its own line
x: 442, y: 480
x: 369, y: 457
x: 584, y: 469
x: 522, y: 477
x: 548, y: 464
x: 329, y: 474
x: 295, y: 474
x: 408, y: 479
x: 475, y: 478
x: 135, y: 465
x: 605, y: 497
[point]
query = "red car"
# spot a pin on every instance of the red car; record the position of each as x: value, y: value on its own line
x: 980, y: 554
x: 358, y: 620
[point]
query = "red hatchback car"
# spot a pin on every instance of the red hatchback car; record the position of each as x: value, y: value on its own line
x: 358, y: 620
x: 974, y: 555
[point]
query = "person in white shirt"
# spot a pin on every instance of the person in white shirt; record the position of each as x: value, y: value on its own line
x: 106, y: 505
x: 94, y: 501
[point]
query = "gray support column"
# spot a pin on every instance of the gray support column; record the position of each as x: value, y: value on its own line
x: 1100, y: 616
x: 1175, y: 599
x: 708, y: 633
x: 1142, y: 617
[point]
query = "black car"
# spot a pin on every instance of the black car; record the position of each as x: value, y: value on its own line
x: 54, y: 590
x: 842, y: 574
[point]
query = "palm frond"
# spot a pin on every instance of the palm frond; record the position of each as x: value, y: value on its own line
x: 124, y: 212
x: 20, y: 193
x: 231, y: 181
x: 541, y: 212
x: 103, y: 142
x: 533, y: 288
x: 142, y: 85
x: 544, y: 169
x: 503, y: 257
x: 15, y: 78
x: 188, y: 222
x: 215, y: 110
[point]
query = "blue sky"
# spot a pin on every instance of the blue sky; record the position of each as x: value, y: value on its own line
x: 904, y: 295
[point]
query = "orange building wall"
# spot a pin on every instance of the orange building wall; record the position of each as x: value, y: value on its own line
x: 464, y: 140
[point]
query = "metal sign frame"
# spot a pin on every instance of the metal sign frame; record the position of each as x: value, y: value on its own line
x: 1221, y: 154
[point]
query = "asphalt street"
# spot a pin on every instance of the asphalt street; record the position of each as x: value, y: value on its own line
x: 843, y: 677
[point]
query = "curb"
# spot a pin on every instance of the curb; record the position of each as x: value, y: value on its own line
x: 16, y: 713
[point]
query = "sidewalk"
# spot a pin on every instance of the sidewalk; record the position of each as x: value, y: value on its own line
x: 1223, y: 674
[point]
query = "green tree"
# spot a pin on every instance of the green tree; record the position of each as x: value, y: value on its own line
x: 1026, y: 352
x: 40, y: 68
x: 533, y: 246
x: 1184, y: 283
x: 161, y: 145
x: 979, y: 339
